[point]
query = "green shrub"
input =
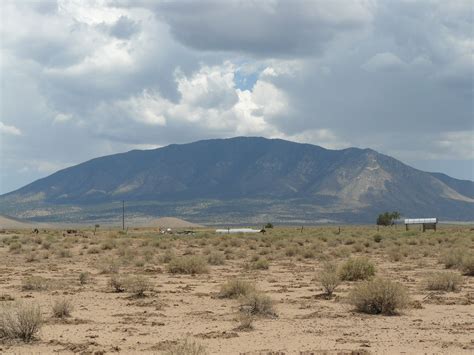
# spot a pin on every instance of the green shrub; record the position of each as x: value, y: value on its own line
x: 20, y: 321
x: 444, y: 281
x: 356, y: 269
x: 188, y: 265
x: 329, y: 279
x: 236, y: 288
x: 260, y: 264
x: 377, y: 238
x: 379, y: 296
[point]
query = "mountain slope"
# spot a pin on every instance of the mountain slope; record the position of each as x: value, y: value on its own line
x: 283, y: 180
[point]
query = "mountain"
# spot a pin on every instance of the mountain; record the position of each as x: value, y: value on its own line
x: 243, y: 180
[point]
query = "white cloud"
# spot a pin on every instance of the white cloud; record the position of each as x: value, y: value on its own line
x: 385, y: 61
x: 9, y: 129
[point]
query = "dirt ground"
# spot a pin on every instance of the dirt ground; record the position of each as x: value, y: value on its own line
x: 185, y: 310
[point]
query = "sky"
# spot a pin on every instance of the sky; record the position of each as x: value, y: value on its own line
x: 87, y: 78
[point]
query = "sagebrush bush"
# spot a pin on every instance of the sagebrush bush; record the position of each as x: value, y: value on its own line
x: 62, y: 308
x: 35, y: 283
x: 257, y: 304
x: 260, y: 264
x: 236, y: 288
x: 186, y: 347
x: 379, y: 296
x: 117, y: 283
x: 329, y: 279
x: 467, y: 265
x: 245, y: 321
x: 444, y: 281
x: 216, y: 258
x: 356, y: 269
x: 20, y: 321
x: 188, y: 265
x: 138, y: 285
x: 452, y: 258
x: 84, y: 278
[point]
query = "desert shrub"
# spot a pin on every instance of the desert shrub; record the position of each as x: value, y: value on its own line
x: 188, y: 265
x: 108, y: 244
x: 444, y: 281
x: 20, y: 321
x: 329, y: 279
x: 167, y: 256
x: 117, y: 283
x: 63, y: 253
x: 93, y: 250
x: 31, y: 257
x: 452, y: 258
x: 84, y: 278
x: 236, y: 288
x: 245, y: 321
x: 395, y: 254
x: 291, y: 251
x: 109, y: 266
x: 379, y: 296
x: 15, y: 248
x: 356, y: 269
x: 138, y: 285
x: 216, y: 258
x: 467, y: 265
x: 62, y: 308
x: 257, y: 304
x: 260, y: 264
x: 186, y: 347
x: 308, y: 254
x: 35, y: 283
x: 377, y: 238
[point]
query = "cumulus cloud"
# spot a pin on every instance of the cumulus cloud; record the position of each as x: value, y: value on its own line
x: 8, y: 129
x: 96, y: 77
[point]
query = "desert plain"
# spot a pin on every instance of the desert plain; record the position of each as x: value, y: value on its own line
x: 288, y: 291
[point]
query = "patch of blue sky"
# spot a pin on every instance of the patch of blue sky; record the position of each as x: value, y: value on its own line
x: 245, y: 81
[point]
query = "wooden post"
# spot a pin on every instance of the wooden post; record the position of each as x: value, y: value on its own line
x: 406, y: 227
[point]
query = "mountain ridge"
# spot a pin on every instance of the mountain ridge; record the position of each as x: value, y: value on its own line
x: 333, y: 183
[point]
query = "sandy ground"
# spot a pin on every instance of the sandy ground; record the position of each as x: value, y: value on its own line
x: 180, y: 307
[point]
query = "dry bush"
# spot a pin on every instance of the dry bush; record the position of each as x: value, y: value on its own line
x: 377, y: 238
x: 167, y: 256
x: 138, y: 285
x: 216, y: 258
x: 35, y: 283
x: 20, y: 321
x: 109, y: 266
x: 356, y: 269
x: 444, y: 281
x: 186, y: 347
x: 260, y: 264
x: 245, y: 322
x: 452, y: 258
x: 329, y: 279
x: 63, y: 253
x: 188, y: 265
x: 379, y: 296
x: 257, y: 304
x: 84, y: 278
x: 62, y: 308
x: 117, y: 283
x: 236, y: 288
x: 395, y: 254
x: 15, y: 248
x: 467, y: 265
x: 31, y: 257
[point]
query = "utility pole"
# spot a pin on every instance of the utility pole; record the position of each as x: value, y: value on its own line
x: 123, y: 214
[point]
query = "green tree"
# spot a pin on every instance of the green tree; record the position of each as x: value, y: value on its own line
x: 388, y: 218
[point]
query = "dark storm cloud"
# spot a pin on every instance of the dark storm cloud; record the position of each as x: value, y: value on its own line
x: 84, y: 79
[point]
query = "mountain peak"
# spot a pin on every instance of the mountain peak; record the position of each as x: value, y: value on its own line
x: 246, y: 177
